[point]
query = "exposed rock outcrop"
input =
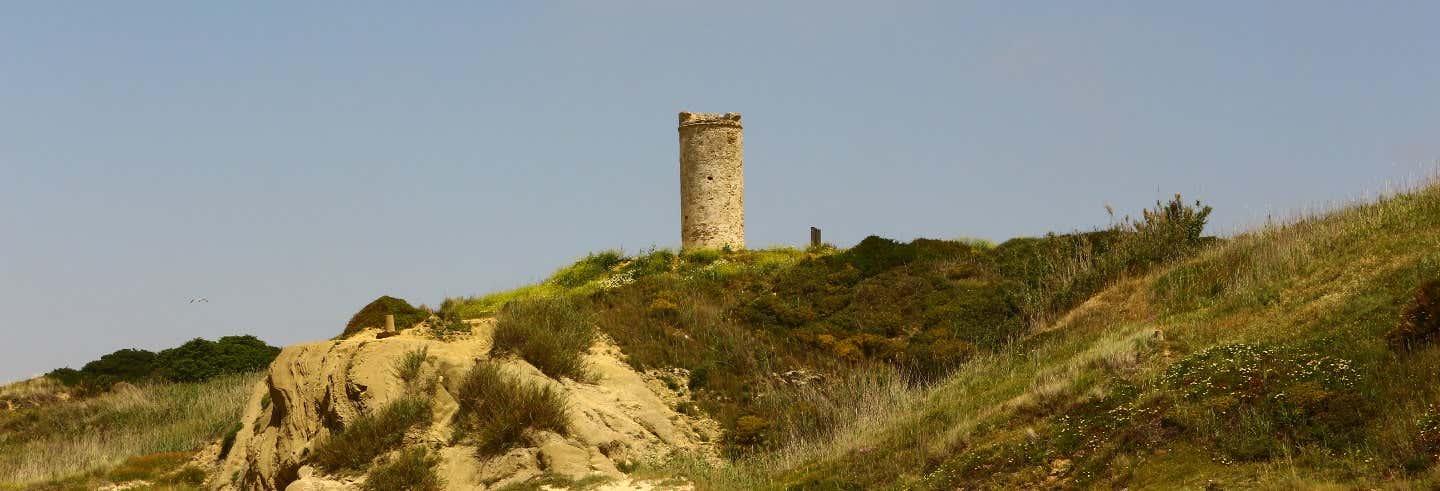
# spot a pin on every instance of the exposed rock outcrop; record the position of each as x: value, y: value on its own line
x: 313, y: 390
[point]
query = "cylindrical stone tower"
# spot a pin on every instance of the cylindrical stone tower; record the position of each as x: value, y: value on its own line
x: 712, y: 182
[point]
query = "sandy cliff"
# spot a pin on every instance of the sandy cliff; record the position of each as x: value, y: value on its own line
x: 619, y: 418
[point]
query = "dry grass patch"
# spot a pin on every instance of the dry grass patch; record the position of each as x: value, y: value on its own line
x: 70, y: 438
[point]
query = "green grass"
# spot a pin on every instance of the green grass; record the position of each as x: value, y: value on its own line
x: 371, y: 434
x: 64, y: 439
x: 487, y: 305
x: 1261, y: 362
x: 496, y: 409
x: 550, y: 333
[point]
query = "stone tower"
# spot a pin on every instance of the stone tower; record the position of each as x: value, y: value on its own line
x: 712, y: 182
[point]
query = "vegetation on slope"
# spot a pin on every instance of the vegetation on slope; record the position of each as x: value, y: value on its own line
x: 496, y: 409
x: 74, y: 442
x: 767, y: 335
x: 1270, y: 360
x: 550, y: 333
x: 412, y: 470
x: 353, y: 447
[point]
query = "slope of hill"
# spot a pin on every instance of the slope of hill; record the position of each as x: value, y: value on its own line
x: 1272, y: 360
x: 1143, y: 356
x: 132, y: 432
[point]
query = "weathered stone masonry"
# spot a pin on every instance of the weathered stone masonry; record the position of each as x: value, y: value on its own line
x: 712, y: 182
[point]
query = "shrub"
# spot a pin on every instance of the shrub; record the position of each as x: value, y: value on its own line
x: 749, y: 431
x: 497, y: 409
x: 413, y: 469
x: 550, y: 333
x: 1420, y: 320
x: 1058, y: 272
x: 370, y: 435
x: 1170, y: 230
x: 67, y: 376
x: 408, y: 367
x: 197, y: 360
x: 587, y: 269
x: 875, y: 254
x: 373, y: 315
x: 200, y: 359
x: 1268, y: 392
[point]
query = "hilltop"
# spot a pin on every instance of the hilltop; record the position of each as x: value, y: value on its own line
x: 1146, y: 355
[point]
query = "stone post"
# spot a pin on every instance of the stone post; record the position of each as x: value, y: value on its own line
x: 389, y: 323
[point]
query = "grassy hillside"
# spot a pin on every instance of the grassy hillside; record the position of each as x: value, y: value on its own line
x: 772, y: 342
x: 1298, y: 355
x: 130, y: 432
x: 1266, y: 361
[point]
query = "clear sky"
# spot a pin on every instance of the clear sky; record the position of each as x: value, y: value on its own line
x: 291, y: 161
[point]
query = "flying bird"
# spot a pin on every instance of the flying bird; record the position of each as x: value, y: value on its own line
x: 200, y: 300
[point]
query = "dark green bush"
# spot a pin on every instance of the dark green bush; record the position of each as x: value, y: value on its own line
x: 875, y: 254
x: 412, y: 470
x: 550, y: 333
x: 195, y: 361
x: 1253, y: 399
x: 1420, y: 320
x: 496, y: 409
x: 371, y: 434
x: 125, y: 364
x: 199, y: 359
x: 67, y: 376
x: 373, y: 315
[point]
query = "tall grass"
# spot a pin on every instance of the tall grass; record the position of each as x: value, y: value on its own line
x: 497, y: 409
x: 550, y: 333
x: 408, y: 367
x: 1331, y: 283
x: 74, y: 437
x: 412, y: 470
x: 372, y: 434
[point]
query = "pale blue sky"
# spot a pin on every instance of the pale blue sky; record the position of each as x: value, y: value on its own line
x: 293, y: 160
